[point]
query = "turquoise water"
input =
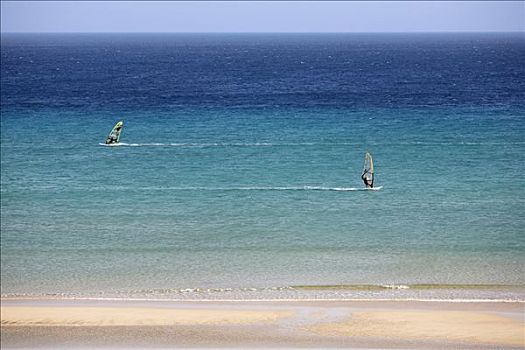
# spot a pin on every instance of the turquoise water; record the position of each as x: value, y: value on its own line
x: 248, y: 195
x: 223, y: 203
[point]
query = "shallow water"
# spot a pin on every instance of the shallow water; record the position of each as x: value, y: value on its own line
x: 241, y: 161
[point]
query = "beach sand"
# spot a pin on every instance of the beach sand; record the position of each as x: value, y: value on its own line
x: 242, y: 324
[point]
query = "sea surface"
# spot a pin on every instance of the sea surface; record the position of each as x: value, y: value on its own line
x: 239, y: 171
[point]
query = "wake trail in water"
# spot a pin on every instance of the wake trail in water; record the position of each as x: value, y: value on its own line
x: 271, y: 188
x: 219, y: 144
x: 198, y: 188
x: 248, y: 188
x: 296, y: 144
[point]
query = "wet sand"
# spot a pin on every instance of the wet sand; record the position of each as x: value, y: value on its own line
x: 241, y: 324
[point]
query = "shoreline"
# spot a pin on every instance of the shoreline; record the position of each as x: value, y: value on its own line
x: 342, y: 292
x: 41, y: 323
x: 276, y: 300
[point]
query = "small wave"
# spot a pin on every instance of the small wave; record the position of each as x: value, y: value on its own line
x: 461, y: 293
x: 395, y: 286
x: 242, y: 300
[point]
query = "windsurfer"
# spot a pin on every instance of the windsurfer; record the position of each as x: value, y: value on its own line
x: 369, y: 182
x: 114, y: 135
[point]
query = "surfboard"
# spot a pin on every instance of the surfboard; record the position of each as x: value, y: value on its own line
x: 111, y: 144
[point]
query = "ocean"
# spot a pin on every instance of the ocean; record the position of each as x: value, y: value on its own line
x: 239, y: 173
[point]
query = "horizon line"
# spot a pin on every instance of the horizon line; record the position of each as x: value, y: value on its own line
x: 270, y: 32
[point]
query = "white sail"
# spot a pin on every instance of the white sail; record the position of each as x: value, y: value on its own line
x: 368, y: 170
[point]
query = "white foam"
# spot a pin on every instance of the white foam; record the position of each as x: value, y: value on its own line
x: 265, y: 188
x: 395, y: 286
x: 299, y: 300
x: 240, y: 188
x: 291, y: 144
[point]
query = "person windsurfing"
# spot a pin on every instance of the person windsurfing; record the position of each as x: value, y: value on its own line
x: 114, y: 135
x: 368, y: 181
x: 368, y: 171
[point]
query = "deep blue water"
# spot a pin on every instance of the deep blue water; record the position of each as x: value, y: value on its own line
x: 236, y: 148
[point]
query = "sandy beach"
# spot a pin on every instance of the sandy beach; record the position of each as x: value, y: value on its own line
x: 30, y: 323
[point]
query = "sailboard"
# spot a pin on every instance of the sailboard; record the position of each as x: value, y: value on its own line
x: 114, y: 136
x: 368, y: 170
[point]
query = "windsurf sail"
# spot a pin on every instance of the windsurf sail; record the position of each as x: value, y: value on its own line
x: 368, y: 171
x: 114, y: 135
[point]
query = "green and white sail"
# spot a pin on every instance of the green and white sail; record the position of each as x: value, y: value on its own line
x: 114, y: 135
